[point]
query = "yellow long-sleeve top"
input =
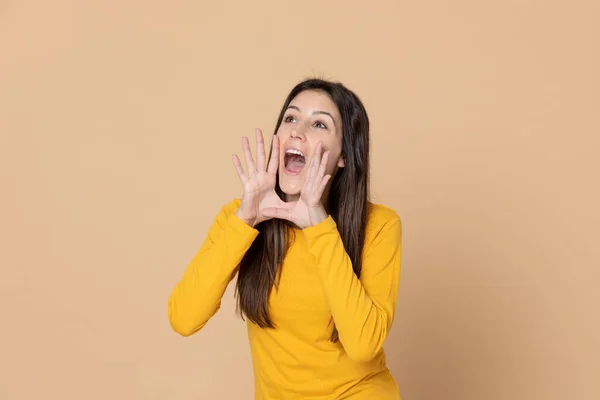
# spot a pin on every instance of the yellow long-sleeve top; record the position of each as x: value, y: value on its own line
x: 296, y: 360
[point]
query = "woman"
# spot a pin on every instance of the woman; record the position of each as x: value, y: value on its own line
x: 318, y: 265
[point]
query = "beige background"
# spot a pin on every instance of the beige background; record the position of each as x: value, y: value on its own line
x: 117, y: 122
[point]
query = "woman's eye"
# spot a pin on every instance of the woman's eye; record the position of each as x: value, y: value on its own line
x: 320, y: 125
x: 288, y: 119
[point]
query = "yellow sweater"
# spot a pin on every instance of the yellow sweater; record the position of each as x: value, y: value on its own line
x: 296, y: 360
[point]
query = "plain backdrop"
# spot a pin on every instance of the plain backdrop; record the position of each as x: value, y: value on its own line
x: 117, y: 124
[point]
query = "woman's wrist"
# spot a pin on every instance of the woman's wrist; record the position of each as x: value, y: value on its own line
x: 245, y: 220
x: 317, y: 215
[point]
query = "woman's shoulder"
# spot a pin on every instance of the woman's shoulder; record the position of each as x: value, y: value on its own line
x: 381, y: 212
x: 380, y: 216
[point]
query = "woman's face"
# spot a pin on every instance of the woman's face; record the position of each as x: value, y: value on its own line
x: 311, y: 117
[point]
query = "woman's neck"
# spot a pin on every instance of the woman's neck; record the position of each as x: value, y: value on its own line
x: 290, y: 198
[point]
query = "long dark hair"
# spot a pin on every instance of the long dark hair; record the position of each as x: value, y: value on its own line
x: 347, y: 204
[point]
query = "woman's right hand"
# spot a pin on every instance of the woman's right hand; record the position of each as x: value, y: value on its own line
x: 258, y: 181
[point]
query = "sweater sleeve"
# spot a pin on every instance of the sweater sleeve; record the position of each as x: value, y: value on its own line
x: 362, y: 309
x: 197, y: 295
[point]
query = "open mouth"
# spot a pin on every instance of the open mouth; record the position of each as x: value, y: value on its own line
x: 294, y: 161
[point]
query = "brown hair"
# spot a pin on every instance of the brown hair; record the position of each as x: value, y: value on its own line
x: 347, y: 204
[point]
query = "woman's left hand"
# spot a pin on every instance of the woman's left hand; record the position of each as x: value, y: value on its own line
x: 309, y: 209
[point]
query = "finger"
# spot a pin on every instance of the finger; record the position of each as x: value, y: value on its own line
x: 239, y: 169
x: 274, y: 161
x: 322, y: 185
x: 274, y: 212
x: 323, y: 166
x: 248, y: 155
x: 260, y: 151
x: 286, y: 205
x: 315, y: 160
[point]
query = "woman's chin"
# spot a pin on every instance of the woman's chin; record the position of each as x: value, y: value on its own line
x: 290, y: 185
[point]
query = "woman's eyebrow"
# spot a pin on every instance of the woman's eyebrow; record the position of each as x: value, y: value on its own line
x: 316, y: 112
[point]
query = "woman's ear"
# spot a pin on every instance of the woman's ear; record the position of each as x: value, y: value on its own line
x: 341, y: 163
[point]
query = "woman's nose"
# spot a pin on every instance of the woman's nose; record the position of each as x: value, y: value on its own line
x: 298, y: 133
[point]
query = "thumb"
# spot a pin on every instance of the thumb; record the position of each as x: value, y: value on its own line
x: 286, y: 205
x: 276, y: 212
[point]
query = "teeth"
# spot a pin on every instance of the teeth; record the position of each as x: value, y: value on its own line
x: 294, y: 151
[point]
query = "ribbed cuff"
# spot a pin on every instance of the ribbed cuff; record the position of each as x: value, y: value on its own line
x: 239, y: 235
x: 324, y: 227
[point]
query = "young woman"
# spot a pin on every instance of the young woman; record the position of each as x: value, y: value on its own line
x: 318, y: 264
